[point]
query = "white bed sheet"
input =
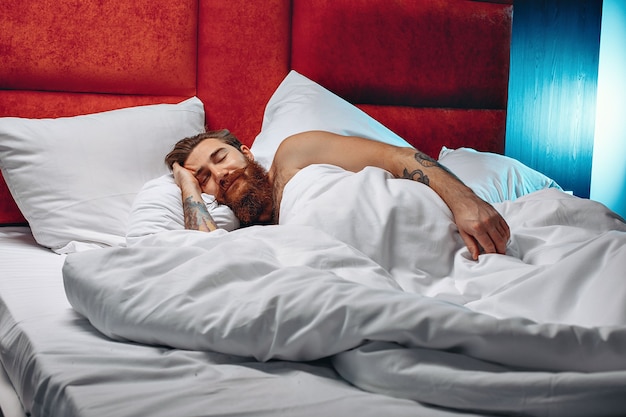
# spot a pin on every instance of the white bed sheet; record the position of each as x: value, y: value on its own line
x: 10, y: 404
x: 61, y: 366
x: 383, y: 283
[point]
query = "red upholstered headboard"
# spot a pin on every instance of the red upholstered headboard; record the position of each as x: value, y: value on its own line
x: 434, y: 71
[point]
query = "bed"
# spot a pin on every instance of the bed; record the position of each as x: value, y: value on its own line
x: 363, y: 301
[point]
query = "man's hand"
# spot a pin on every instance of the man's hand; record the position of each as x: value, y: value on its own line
x: 197, y: 216
x: 185, y: 178
x: 480, y: 225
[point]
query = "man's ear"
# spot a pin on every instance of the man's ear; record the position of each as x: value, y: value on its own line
x: 247, y: 152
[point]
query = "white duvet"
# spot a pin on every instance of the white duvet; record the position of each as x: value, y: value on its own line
x: 371, y: 271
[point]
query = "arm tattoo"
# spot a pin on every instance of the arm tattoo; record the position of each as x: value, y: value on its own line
x: 416, y: 175
x: 197, y: 216
x: 425, y: 161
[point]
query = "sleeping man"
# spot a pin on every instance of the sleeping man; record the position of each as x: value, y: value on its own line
x: 217, y: 163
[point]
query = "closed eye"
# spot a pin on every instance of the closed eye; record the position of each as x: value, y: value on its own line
x: 202, y: 177
x: 219, y: 155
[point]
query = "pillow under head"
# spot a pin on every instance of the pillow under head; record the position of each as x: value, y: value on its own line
x: 158, y: 207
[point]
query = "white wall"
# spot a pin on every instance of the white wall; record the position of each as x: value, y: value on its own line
x: 608, y: 174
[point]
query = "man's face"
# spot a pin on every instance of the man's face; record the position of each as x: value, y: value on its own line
x: 234, y: 178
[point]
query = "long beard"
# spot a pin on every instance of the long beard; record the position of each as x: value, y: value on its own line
x: 250, y: 196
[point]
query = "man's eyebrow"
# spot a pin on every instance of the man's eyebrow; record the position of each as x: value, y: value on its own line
x: 215, y: 152
x: 211, y: 158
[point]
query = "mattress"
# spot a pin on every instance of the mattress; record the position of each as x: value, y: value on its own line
x: 60, y: 365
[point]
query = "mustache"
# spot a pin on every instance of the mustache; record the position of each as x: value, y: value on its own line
x: 226, y: 182
x: 225, y: 194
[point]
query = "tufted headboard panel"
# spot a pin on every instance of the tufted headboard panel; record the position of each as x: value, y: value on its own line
x: 434, y: 71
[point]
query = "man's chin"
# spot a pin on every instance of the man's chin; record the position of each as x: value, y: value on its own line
x: 247, y: 209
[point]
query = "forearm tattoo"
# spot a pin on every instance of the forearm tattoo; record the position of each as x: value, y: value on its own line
x: 197, y: 216
x: 425, y: 161
x: 417, y: 174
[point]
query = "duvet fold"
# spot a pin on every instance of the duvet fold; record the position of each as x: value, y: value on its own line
x: 384, y: 286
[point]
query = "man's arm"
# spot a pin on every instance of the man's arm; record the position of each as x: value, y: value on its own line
x: 196, y: 215
x: 479, y: 224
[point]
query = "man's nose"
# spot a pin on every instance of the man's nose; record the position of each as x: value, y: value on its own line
x: 222, y: 177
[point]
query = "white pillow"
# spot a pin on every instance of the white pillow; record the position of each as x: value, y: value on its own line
x: 299, y: 105
x: 158, y: 207
x: 493, y: 177
x: 75, y: 178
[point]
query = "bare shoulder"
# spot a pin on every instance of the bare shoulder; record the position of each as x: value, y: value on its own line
x: 348, y: 152
x: 301, y: 144
x: 299, y: 150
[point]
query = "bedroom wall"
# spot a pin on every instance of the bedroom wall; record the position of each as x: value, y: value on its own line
x: 608, y: 173
x: 552, y: 88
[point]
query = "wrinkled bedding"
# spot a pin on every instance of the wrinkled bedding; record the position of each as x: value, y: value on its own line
x: 370, y: 271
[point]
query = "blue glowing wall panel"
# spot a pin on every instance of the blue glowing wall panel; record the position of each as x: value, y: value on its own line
x: 608, y: 174
x: 552, y: 88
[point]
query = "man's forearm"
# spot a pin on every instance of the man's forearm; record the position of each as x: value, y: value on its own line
x: 430, y: 172
x: 197, y: 217
x: 479, y: 224
x: 195, y: 213
x: 418, y: 174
